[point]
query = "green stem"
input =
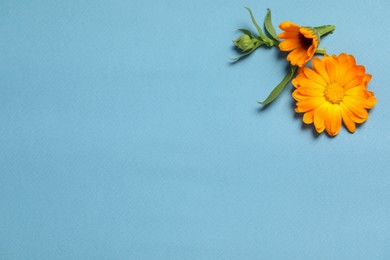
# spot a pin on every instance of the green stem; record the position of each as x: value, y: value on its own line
x: 321, y: 51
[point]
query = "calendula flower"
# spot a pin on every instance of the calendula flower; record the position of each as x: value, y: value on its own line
x: 332, y: 93
x: 301, y: 41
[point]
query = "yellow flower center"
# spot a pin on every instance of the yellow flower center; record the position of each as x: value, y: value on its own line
x: 334, y: 93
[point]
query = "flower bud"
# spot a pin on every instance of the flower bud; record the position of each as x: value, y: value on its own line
x: 245, y: 42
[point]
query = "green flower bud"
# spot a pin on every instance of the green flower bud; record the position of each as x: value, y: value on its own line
x: 245, y: 42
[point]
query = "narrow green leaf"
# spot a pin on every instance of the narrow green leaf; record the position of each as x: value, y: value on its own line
x: 324, y: 29
x: 257, y: 45
x: 243, y: 55
x: 279, y: 88
x: 247, y: 32
x: 261, y: 34
x: 270, y: 27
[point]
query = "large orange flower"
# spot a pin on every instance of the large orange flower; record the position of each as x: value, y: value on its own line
x: 301, y: 41
x: 334, y: 91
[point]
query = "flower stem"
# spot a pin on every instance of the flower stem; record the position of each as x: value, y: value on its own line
x: 321, y: 51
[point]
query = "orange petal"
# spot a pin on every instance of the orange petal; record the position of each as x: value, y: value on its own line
x: 298, y: 96
x: 356, y: 81
x: 335, y: 120
x: 356, y: 107
x: 312, y: 92
x: 320, y: 68
x: 350, y: 114
x: 346, y: 76
x: 361, y: 70
x: 295, y: 55
x: 307, y: 33
x: 289, y: 27
x: 348, y: 122
x: 289, y: 44
x: 331, y: 68
x: 343, y: 59
x: 309, y: 104
x: 297, y: 79
x: 314, y: 76
x: 358, y: 91
x: 312, y: 49
x: 303, y: 59
x: 342, y: 71
x: 285, y: 35
x: 308, y: 83
x: 352, y: 60
x: 366, y: 79
x: 320, y: 129
x: 308, y: 117
x: 364, y: 102
x: 319, y: 117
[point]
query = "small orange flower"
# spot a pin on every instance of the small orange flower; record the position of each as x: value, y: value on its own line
x: 334, y: 91
x: 301, y: 41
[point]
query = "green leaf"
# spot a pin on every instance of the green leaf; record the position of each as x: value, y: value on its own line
x: 247, y: 32
x: 261, y: 34
x: 270, y: 27
x: 324, y: 29
x: 243, y: 55
x: 279, y: 88
x: 257, y: 45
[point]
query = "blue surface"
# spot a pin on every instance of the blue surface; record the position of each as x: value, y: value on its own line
x: 126, y: 134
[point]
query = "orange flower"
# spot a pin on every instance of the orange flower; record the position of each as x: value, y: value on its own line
x: 301, y: 41
x: 334, y: 91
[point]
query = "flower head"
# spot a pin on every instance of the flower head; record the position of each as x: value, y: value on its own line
x: 334, y: 91
x: 301, y: 41
x: 245, y: 42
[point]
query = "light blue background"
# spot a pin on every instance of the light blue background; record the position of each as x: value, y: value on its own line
x: 126, y: 134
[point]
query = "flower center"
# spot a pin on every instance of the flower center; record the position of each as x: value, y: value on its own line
x: 305, y: 42
x: 334, y: 93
